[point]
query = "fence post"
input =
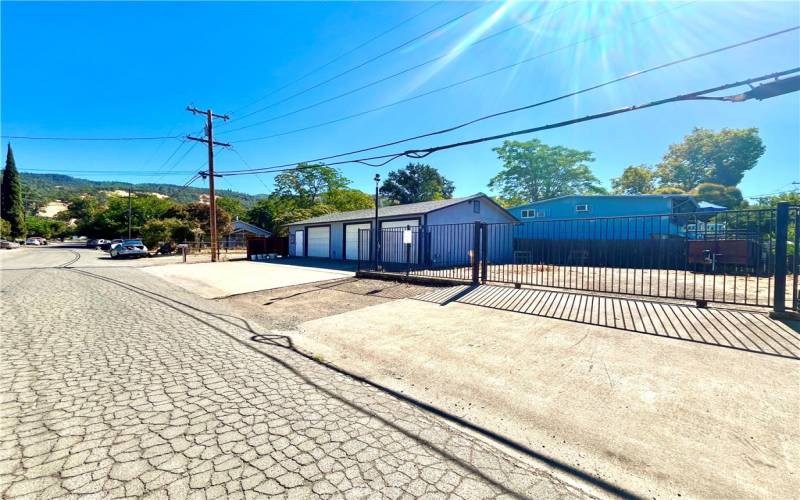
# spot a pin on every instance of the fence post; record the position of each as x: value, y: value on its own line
x: 484, y: 252
x: 476, y: 252
x: 796, y: 258
x: 781, y: 237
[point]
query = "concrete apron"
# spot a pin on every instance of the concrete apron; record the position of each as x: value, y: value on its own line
x: 655, y: 416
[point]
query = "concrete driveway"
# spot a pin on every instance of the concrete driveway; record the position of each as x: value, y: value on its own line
x: 223, y: 279
x: 659, y: 414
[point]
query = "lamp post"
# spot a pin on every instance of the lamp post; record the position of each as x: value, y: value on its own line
x: 129, y: 210
x: 375, y: 245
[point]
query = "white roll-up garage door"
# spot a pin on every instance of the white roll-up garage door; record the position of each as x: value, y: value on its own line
x: 319, y: 241
x: 351, y: 241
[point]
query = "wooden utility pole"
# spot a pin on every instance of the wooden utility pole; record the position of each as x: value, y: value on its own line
x: 212, y: 205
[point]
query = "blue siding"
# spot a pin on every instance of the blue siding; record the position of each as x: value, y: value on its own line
x: 607, y: 217
x: 446, y: 239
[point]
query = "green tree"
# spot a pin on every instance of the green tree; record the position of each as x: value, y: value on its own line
x: 156, y: 232
x: 308, y: 183
x: 726, y: 196
x: 275, y: 211
x: 706, y: 156
x: 508, y: 202
x: 266, y: 211
x: 416, y: 182
x: 636, y: 179
x: 5, y: 229
x: 668, y: 190
x: 11, y: 203
x: 42, y: 226
x: 792, y: 197
x: 111, y: 220
x: 344, y: 200
x: 534, y: 171
x: 198, y: 215
x: 82, y: 207
x: 233, y: 206
x: 300, y: 214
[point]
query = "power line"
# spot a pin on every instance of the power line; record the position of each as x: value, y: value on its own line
x: 399, y: 73
x: 178, y: 161
x: 339, y: 57
x: 455, y: 84
x: 120, y: 172
x: 362, y: 64
x: 38, y: 138
x: 247, y: 164
x: 697, y: 95
x: 546, y: 101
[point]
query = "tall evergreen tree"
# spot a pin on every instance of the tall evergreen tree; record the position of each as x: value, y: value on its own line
x: 11, y: 207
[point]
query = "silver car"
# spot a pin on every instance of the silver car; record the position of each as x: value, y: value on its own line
x: 128, y: 248
x: 8, y: 245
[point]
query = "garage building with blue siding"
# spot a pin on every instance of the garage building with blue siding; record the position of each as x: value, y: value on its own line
x: 440, y: 230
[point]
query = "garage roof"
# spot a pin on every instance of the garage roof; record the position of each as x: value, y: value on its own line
x: 421, y: 208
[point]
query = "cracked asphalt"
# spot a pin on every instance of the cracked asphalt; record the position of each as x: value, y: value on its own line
x: 116, y: 384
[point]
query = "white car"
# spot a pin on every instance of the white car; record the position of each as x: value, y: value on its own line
x: 8, y: 245
x: 128, y: 248
x: 33, y: 241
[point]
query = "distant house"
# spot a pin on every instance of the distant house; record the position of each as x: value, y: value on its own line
x: 646, y: 216
x: 347, y: 235
x: 245, y: 229
x: 241, y: 232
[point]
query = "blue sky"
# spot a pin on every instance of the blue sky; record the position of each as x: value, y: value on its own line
x: 130, y: 69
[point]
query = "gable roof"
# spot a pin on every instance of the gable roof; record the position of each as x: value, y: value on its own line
x: 240, y: 226
x: 420, y: 208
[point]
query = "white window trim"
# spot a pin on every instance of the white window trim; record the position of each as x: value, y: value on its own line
x: 584, y: 211
x: 532, y: 213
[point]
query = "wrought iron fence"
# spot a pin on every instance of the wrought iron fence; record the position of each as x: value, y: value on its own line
x: 746, y: 257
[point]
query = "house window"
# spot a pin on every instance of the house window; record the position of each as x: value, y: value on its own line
x: 581, y: 208
x: 476, y: 206
x: 533, y: 214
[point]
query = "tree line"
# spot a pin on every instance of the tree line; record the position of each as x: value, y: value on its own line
x: 706, y: 164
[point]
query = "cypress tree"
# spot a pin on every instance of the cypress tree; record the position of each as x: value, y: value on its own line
x: 11, y: 207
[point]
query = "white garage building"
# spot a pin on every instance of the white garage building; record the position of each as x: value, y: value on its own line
x: 336, y: 235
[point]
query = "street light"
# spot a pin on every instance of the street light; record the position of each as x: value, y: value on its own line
x: 376, y: 245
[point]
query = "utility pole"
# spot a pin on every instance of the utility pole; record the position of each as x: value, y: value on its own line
x: 129, y: 211
x: 212, y: 207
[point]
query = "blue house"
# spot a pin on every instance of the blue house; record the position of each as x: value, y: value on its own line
x: 623, y: 217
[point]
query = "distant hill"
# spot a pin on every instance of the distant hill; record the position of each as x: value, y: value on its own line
x: 43, y: 188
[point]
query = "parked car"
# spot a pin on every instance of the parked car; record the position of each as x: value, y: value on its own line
x: 8, y: 245
x: 128, y: 248
x: 107, y: 244
x: 43, y: 241
x: 33, y: 241
x: 95, y: 243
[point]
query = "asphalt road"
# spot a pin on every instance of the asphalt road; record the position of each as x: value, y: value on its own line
x: 117, y: 384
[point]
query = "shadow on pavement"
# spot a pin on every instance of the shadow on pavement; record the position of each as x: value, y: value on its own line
x: 285, y: 342
x: 335, y: 265
x: 741, y: 330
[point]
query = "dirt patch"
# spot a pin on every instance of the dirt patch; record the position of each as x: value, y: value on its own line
x: 285, y: 308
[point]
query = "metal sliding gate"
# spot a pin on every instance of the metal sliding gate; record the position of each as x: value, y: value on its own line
x: 744, y: 257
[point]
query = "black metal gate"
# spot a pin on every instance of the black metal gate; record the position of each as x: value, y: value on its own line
x: 744, y: 257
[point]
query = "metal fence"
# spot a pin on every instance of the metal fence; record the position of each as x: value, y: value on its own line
x: 746, y: 257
